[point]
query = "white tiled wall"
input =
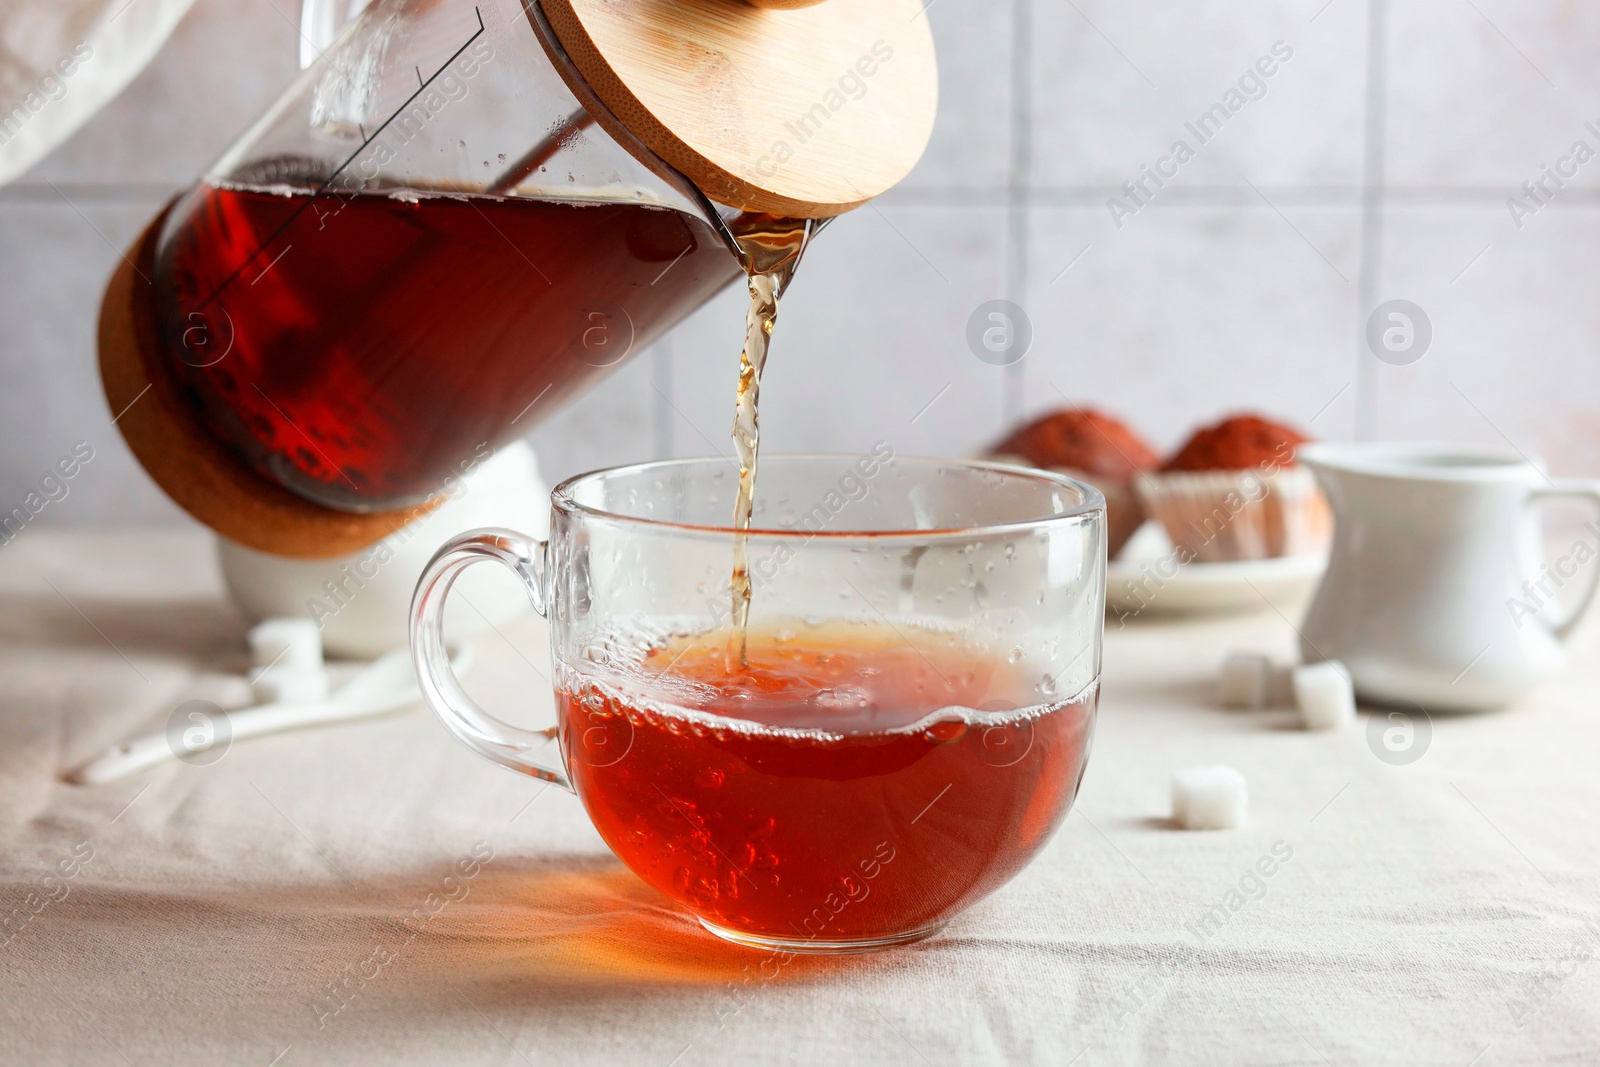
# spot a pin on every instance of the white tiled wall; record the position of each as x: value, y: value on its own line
x: 1244, y: 283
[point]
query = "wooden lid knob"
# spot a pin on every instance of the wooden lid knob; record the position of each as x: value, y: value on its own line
x: 788, y: 107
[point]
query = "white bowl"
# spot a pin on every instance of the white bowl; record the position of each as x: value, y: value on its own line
x: 365, y: 610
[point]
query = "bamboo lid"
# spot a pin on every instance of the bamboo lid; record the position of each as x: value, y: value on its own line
x: 197, y: 471
x: 805, y: 108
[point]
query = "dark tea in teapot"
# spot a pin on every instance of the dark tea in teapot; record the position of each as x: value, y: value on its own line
x: 359, y: 346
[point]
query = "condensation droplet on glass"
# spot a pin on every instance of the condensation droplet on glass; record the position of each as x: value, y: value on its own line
x: 1015, y: 656
x: 943, y: 733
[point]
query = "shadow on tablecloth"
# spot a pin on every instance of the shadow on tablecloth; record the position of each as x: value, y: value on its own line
x: 573, y: 929
x: 196, y: 631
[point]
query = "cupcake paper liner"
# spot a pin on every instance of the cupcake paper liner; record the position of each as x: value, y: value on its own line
x: 1225, y: 516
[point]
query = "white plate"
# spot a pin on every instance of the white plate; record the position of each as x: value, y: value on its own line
x: 1147, y: 580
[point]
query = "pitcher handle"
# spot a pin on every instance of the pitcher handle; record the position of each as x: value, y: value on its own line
x: 1569, y: 489
x: 510, y: 746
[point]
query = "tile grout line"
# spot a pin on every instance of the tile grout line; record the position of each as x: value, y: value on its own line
x: 1017, y: 193
x: 23, y: 193
x: 1372, y: 206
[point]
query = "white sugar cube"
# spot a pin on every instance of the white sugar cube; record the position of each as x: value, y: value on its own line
x: 1324, y: 695
x: 292, y: 643
x: 290, y: 685
x: 1208, y: 798
x: 1243, y: 683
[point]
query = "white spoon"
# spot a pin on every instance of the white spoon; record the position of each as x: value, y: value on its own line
x: 387, y: 685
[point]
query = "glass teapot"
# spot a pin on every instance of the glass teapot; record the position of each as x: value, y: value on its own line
x: 462, y: 213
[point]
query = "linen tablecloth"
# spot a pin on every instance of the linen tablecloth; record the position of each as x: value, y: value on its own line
x: 373, y: 893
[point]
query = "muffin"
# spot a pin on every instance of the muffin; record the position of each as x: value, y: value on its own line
x: 1093, y: 447
x: 1235, y: 492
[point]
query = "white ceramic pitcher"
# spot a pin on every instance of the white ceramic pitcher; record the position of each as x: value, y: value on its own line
x: 1438, y: 592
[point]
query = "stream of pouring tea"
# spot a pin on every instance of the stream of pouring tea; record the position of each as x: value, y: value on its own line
x: 770, y: 251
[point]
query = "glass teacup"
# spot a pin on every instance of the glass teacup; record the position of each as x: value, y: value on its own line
x: 906, y: 723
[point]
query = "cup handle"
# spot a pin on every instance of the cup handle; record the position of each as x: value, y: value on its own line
x: 510, y: 746
x: 1569, y: 489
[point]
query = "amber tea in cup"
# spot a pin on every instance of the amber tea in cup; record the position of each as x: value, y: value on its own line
x: 909, y: 724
